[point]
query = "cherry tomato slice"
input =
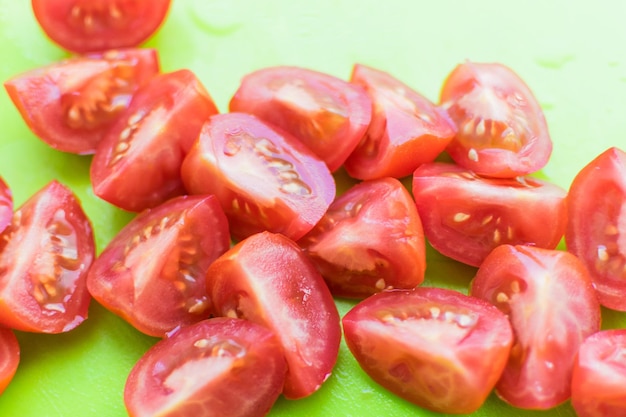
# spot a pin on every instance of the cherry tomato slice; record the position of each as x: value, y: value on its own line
x: 217, y: 367
x: 596, y: 230
x: 9, y: 357
x: 98, y: 25
x: 153, y: 271
x: 502, y: 131
x: 267, y: 279
x: 406, y: 130
x: 45, y: 254
x: 70, y: 104
x: 6, y: 205
x: 329, y: 115
x: 550, y: 301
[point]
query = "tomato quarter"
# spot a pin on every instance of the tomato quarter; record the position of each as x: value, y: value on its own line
x: 9, y: 357
x: 6, y: 205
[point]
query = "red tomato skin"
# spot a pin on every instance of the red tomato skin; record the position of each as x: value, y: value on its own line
x: 329, y: 115
x: 152, y: 273
x: 597, y: 224
x: 267, y: 279
x: 406, y: 130
x: 99, y: 25
x: 45, y: 254
x: 550, y: 301
x: 466, y: 216
x: 405, y: 339
x: 370, y: 239
x: 9, y: 357
x: 599, y: 375
x: 502, y: 131
x: 137, y: 164
x: 231, y: 357
x: 70, y: 104
x: 6, y: 205
x: 265, y: 179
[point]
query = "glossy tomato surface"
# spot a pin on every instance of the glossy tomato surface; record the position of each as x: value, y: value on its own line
x: 502, y: 131
x: 70, y: 104
x: 266, y: 278
x: 550, y: 301
x: 9, y: 357
x: 97, y: 25
x: 6, y: 204
x: 596, y: 230
x: 370, y: 239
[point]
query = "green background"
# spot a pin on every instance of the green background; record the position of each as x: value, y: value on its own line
x: 571, y: 54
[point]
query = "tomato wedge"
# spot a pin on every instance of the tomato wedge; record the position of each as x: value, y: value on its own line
x: 502, y: 131
x: 137, y: 164
x: 6, y: 205
x: 99, y: 25
x: 406, y: 130
x: 153, y: 271
x: 70, y: 104
x: 596, y: 230
x: 266, y: 278
x: 550, y: 301
x: 329, y: 115
x: 217, y: 367
x: 45, y: 254
x: 9, y: 357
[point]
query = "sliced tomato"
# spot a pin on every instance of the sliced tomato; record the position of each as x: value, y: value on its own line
x: 437, y: 348
x: 45, y: 254
x: 370, y: 239
x: 217, y: 367
x: 267, y: 279
x: 99, y: 25
x: 137, y: 164
x: 329, y: 115
x: 599, y: 375
x: 550, y: 301
x: 70, y: 104
x: 265, y: 179
x: 9, y: 357
x: 406, y: 130
x: 502, y: 131
x: 153, y: 271
x: 6, y: 205
x: 466, y: 216
x: 596, y: 230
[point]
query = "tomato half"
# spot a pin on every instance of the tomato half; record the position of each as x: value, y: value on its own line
x: 329, y: 115
x: 596, y: 231
x: 217, y: 367
x: 550, y: 301
x: 502, y: 131
x: 264, y: 178
x: 98, y: 25
x: 466, y: 216
x: 6, y: 205
x: 370, y: 239
x: 153, y: 271
x: 266, y: 278
x: 70, y: 104
x: 406, y: 130
x: 437, y: 348
x: 9, y: 357
x: 45, y: 254
x: 137, y: 164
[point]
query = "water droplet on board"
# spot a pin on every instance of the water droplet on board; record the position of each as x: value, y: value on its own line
x: 219, y: 17
x: 554, y: 62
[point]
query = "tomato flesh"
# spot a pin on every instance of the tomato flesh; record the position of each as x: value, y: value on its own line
x: 9, y: 357
x: 6, y: 205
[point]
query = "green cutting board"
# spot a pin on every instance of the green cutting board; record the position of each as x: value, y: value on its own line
x: 571, y: 54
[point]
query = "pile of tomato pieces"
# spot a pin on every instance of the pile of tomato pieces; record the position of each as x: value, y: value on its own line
x: 244, y: 240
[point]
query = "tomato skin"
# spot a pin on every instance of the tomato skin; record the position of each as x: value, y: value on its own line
x: 550, y: 301
x: 370, y: 239
x: 70, y: 104
x: 502, y: 131
x: 264, y: 178
x: 98, y: 25
x: 437, y: 348
x: 406, y: 130
x: 329, y: 115
x: 466, y: 216
x: 137, y: 164
x: 597, y: 224
x: 208, y: 369
x: 6, y: 205
x: 9, y: 357
x: 267, y: 279
x: 45, y: 254
x: 152, y: 273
